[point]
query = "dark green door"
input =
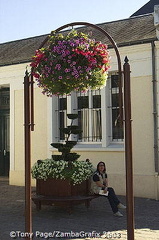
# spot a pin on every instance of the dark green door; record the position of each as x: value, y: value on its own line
x: 4, y: 144
x: 4, y: 133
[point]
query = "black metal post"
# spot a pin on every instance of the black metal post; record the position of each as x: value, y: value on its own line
x: 128, y: 152
x: 28, y: 210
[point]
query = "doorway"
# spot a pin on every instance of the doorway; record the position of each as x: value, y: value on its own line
x: 4, y: 131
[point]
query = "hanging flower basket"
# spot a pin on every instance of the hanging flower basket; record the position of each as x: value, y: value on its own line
x: 70, y: 62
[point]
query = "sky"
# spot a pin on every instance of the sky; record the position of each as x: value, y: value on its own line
x: 21, y: 19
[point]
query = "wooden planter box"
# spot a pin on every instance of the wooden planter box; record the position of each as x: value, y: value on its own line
x: 61, y: 188
x: 62, y: 193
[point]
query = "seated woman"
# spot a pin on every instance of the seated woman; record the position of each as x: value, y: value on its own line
x: 100, y: 182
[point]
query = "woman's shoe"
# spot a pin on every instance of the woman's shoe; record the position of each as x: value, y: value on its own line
x: 118, y: 214
x: 121, y: 206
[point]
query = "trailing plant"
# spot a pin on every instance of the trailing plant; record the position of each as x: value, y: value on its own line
x: 70, y: 62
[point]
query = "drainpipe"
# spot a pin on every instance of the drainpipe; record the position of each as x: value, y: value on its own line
x: 155, y: 116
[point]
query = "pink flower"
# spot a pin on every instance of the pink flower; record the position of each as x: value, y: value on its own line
x: 67, y: 70
x: 58, y: 66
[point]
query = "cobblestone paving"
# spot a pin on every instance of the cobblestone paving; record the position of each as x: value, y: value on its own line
x: 97, y: 222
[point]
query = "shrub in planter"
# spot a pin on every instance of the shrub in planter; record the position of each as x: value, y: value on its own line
x: 63, y: 167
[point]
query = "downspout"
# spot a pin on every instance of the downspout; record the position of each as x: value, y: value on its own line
x: 155, y: 117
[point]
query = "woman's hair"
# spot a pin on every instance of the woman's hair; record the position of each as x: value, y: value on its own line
x: 104, y: 166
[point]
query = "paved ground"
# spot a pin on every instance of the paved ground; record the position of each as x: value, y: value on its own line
x: 79, y: 225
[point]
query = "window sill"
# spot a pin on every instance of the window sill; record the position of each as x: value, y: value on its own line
x: 93, y: 147
x: 97, y: 147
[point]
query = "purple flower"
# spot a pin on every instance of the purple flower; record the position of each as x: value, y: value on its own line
x: 67, y: 70
x: 67, y: 52
x: 88, y: 69
x: 72, y: 44
x: 58, y: 66
x: 76, y: 75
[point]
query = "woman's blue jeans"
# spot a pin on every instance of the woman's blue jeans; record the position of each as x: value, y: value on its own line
x: 113, y: 200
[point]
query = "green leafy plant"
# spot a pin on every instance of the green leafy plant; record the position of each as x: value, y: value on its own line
x: 49, y: 168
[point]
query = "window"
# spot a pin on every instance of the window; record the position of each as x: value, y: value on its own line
x: 98, y: 114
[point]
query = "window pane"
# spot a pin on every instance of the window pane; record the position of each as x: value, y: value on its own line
x: 114, y: 81
x: 62, y: 116
x: 115, y: 100
x: 83, y: 102
x: 83, y: 123
x: 116, y: 125
x: 62, y: 120
x: 63, y: 103
x: 97, y: 125
x: 97, y: 101
x: 117, y: 128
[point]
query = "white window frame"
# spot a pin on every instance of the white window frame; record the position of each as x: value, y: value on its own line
x: 106, y: 114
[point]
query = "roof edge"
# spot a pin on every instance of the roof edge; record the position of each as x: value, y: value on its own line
x: 22, y: 39
x: 142, y: 15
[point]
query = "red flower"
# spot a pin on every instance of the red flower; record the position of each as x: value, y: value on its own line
x: 105, y: 60
x: 36, y: 75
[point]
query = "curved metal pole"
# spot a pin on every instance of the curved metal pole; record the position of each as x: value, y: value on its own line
x: 130, y: 223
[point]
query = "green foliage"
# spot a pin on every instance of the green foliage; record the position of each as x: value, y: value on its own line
x: 76, y: 172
